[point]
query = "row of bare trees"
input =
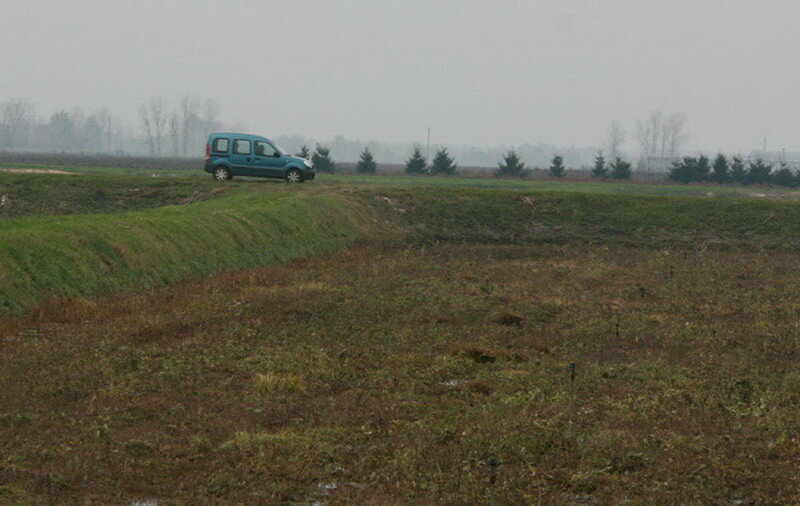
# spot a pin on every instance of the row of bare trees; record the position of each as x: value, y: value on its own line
x: 177, y: 130
x: 64, y: 131
x: 660, y: 137
x: 17, y: 121
x: 161, y: 130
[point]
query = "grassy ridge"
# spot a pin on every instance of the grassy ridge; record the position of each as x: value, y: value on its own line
x: 91, y: 254
x: 256, y: 224
x: 487, y: 215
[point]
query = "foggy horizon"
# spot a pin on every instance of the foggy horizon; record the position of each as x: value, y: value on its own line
x: 513, y: 73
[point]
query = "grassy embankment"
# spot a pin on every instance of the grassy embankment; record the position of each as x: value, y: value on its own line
x: 253, y: 224
x: 83, y: 255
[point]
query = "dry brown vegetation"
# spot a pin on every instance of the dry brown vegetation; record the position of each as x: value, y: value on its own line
x: 394, y: 375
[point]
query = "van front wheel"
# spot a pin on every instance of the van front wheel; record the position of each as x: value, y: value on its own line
x: 222, y: 174
x: 294, y: 176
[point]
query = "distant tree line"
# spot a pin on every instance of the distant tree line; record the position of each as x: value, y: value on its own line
x: 691, y: 169
x: 161, y: 130
x: 75, y: 130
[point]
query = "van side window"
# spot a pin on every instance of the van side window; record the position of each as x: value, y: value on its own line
x: 220, y: 145
x: 265, y: 149
x: 241, y: 147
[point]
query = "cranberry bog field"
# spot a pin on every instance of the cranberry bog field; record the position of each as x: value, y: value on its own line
x: 396, y: 340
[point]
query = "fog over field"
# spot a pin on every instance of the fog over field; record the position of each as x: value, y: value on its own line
x: 482, y: 76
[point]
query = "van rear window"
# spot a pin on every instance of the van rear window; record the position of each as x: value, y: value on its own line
x: 220, y: 145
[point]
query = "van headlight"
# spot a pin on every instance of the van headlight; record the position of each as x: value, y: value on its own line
x: 308, y: 163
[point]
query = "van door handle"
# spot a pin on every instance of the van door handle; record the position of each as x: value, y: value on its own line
x: 257, y: 158
x: 248, y: 158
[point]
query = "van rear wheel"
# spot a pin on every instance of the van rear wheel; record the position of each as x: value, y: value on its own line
x: 294, y: 176
x: 222, y: 174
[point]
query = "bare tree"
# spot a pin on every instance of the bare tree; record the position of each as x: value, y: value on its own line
x: 147, y: 128
x: 103, y: 118
x: 649, y: 134
x: 660, y: 138
x: 616, y: 138
x: 17, y: 120
x: 675, y: 134
x: 152, y: 120
x: 189, y: 117
x: 211, y: 116
x: 61, y: 131
x: 175, y: 133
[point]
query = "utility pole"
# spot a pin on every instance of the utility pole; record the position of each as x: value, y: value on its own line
x: 428, y: 149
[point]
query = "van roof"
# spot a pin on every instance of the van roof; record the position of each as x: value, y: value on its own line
x: 235, y: 134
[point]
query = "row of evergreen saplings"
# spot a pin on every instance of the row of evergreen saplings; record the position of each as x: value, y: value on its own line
x: 512, y: 166
x: 321, y: 158
x: 692, y: 169
x: 444, y: 164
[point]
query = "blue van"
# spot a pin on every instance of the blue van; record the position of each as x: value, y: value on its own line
x: 230, y: 154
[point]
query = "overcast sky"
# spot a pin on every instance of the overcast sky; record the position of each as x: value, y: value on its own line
x: 481, y: 72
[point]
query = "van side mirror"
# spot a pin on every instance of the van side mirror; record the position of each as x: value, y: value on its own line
x: 277, y: 155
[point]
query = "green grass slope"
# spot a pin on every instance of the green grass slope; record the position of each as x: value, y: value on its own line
x: 83, y: 255
x: 252, y: 224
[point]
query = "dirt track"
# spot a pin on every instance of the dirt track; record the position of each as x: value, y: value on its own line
x: 39, y: 171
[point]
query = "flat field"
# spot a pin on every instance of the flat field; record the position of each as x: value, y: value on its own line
x: 384, y: 341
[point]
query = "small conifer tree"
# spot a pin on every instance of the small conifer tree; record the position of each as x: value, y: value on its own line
x: 599, y: 171
x: 443, y: 164
x: 512, y: 166
x: 416, y: 164
x: 367, y: 164
x: 322, y: 159
x: 620, y: 169
x: 557, y: 167
x: 720, y: 169
x: 304, y: 152
x: 703, y: 168
x: 759, y: 172
x: 738, y: 173
x: 783, y: 176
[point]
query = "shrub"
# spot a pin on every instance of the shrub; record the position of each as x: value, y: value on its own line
x: 759, y: 172
x: 681, y: 171
x: 703, y: 168
x: 557, y: 167
x: 304, y: 152
x: 690, y: 169
x: 322, y: 159
x: 416, y: 164
x: 784, y: 176
x: 513, y: 166
x: 366, y: 165
x: 738, y: 173
x: 620, y: 169
x: 720, y: 169
x: 599, y: 171
x: 443, y: 163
